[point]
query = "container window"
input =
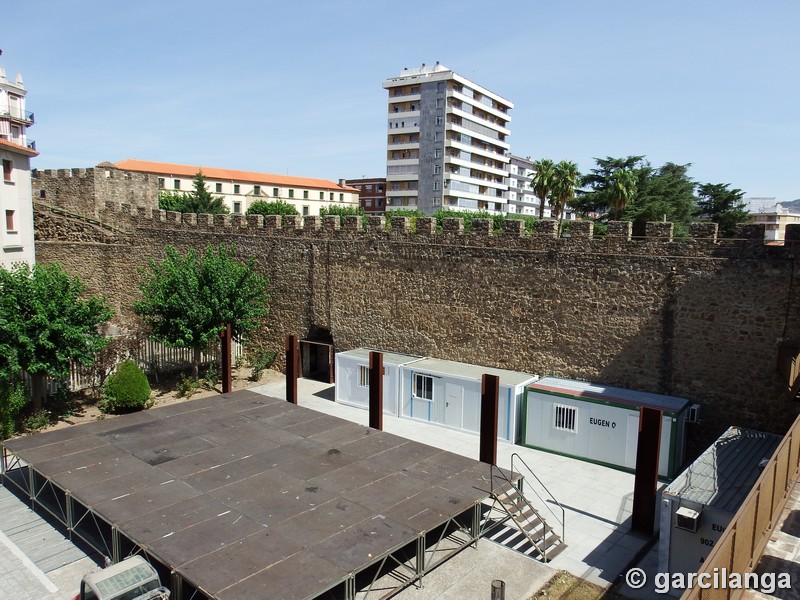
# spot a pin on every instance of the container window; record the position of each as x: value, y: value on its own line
x: 565, y: 417
x: 423, y: 386
x: 363, y: 376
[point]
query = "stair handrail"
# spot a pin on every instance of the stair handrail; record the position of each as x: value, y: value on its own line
x: 562, y: 520
x: 527, y: 534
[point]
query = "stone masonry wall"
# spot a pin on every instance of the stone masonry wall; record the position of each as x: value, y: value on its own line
x: 699, y: 318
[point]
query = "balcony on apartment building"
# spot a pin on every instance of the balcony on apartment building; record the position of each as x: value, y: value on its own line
x: 12, y: 113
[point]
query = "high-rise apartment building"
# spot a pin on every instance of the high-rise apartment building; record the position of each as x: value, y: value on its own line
x: 16, y: 150
x: 447, y: 143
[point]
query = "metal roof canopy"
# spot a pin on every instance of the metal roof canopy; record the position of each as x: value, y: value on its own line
x: 244, y: 495
x: 723, y: 475
x: 471, y: 372
x: 599, y: 391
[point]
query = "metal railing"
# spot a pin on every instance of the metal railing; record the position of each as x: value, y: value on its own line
x: 740, y: 547
x: 562, y: 520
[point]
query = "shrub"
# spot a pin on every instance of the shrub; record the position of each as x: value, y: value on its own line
x: 12, y: 400
x: 259, y: 359
x: 37, y: 421
x: 277, y: 207
x: 343, y: 211
x: 187, y: 386
x: 126, y: 389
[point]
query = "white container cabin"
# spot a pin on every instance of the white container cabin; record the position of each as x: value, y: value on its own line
x: 444, y: 392
x: 700, y: 503
x: 600, y: 423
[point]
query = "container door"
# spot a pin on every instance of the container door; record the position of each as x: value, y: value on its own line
x: 632, y: 441
x: 453, y: 405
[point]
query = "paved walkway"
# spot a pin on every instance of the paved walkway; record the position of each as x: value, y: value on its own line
x: 36, y: 561
x: 597, y: 500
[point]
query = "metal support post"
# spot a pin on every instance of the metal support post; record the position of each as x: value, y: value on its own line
x: 292, y: 368
x: 376, y: 390
x: 490, y: 392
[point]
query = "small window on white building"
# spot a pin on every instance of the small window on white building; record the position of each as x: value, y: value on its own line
x: 305, y: 211
x: 10, y: 221
x: 237, y: 208
x: 341, y: 197
x: 218, y: 187
x: 176, y: 184
x: 565, y: 418
x: 275, y: 192
x: 161, y: 183
x: 256, y: 190
x: 8, y: 169
x: 363, y: 376
x: 322, y: 195
x: 423, y: 386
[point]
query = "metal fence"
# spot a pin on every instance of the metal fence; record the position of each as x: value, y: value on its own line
x: 153, y: 357
x: 741, y: 545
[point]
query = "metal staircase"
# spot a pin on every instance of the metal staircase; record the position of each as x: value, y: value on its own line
x: 543, y: 541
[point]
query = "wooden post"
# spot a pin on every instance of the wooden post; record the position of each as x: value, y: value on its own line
x: 376, y: 390
x: 292, y: 368
x: 227, y: 377
x: 490, y: 393
x: 646, y: 482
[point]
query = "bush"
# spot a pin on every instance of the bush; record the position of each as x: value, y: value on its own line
x: 37, y: 421
x: 259, y: 359
x: 126, y: 389
x: 12, y: 400
x: 344, y: 211
x: 278, y: 207
x: 187, y: 386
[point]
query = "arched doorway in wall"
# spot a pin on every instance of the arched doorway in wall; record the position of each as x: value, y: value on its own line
x: 317, y: 356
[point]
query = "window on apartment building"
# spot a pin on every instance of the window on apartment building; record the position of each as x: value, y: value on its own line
x: 257, y: 190
x: 275, y: 192
x: 237, y: 208
x: 363, y: 376
x: 161, y: 183
x: 322, y: 195
x: 291, y: 193
x: 423, y: 386
x: 330, y: 197
x: 8, y: 169
x: 305, y: 194
x: 305, y: 211
x: 10, y: 221
x: 236, y: 188
x: 436, y: 185
x: 440, y: 120
x: 176, y: 184
x: 218, y: 188
x: 341, y: 197
x: 565, y: 417
x: 437, y: 153
x: 369, y: 187
x: 437, y: 169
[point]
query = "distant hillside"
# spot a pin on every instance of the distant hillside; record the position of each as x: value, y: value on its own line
x: 793, y: 205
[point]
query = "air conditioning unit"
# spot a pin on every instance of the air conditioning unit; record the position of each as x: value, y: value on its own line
x: 693, y: 416
x: 686, y: 518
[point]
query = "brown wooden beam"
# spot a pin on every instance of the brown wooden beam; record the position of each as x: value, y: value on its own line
x: 490, y: 394
x: 292, y: 368
x: 646, y: 481
x: 376, y: 390
x: 227, y: 361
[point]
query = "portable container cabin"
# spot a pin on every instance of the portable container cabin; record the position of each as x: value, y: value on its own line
x: 600, y: 423
x: 352, y: 378
x: 449, y: 393
x: 698, y: 505
x: 438, y: 391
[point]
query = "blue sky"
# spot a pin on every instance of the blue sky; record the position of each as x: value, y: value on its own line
x: 295, y: 87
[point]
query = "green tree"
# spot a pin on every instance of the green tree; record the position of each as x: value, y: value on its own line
x: 565, y: 179
x: 276, y: 207
x: 722, y: 206
x: 199, y: 201
x: 187, y: 299
x: 542, y: 182
x: 666, y: 195
x: 46, y: 324
x: 623, y: 190
x: 596, y: 198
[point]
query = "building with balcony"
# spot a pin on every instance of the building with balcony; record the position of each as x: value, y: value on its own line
x: 447, y: 143
x: 371, y: 192
x: 521, y: 199
x: 774, y: 216
x: 16, y: 150
x: 239, y: 189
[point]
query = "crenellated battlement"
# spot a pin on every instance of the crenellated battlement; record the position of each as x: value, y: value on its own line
x: 659, y: 238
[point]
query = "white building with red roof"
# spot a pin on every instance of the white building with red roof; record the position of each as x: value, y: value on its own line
x: 16, y: 206
x: 239, y: 189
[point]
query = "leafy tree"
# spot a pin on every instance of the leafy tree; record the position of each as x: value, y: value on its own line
x: 12, y: 401
x: 276, y: 207
x: 723, y: 206
x: 342, y: 211
x: 596, y: 198
x: 187, y: 299
x: 542, y: 182
x: 565, y: 179
x: 623, y: 190
x: 199, y: 201
x: 46, y: 324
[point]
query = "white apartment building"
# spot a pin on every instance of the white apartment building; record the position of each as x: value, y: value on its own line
x: 16, y: 204
x: 521, y: 199
x: 447, y: 143
x: 773, y: 215
x: 239, y: 189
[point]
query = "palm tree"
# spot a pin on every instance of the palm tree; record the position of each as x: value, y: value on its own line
x: 623, y: 190
x: 565, y: 179
x: 542, y: 182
